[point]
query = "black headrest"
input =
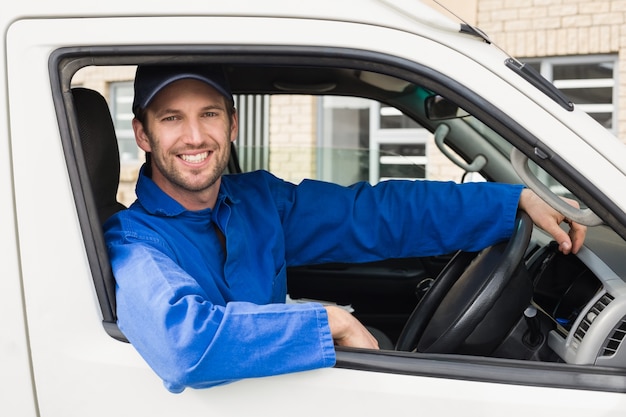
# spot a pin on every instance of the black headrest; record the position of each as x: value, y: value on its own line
x: 100, y: 149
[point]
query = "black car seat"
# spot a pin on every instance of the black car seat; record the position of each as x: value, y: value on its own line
x: 101, y: 154
x: 100, y: 149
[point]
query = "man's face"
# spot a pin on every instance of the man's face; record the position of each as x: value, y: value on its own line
x: 188, y: 132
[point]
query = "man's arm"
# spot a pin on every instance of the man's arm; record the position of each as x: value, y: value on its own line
x: 348, y: 331
x: 191, y: 342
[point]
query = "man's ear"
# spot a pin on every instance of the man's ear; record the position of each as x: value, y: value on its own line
x: 140, y: 136
x: 234, y: 126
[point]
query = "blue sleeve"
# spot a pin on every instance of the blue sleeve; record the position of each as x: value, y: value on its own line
x: 191, y: 342
x: 325, y: 222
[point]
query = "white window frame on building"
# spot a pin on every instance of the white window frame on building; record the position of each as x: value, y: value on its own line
x: 594, y: 108
x: 379, y: 137
x: 121, y: 100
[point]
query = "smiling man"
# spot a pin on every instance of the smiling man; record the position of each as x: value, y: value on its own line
x: 191, y: 124
x: 200, y: 258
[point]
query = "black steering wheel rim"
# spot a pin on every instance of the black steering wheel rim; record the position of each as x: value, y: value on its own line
x: 474, y: 288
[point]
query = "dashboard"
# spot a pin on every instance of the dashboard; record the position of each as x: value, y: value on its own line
x: 584, y: 297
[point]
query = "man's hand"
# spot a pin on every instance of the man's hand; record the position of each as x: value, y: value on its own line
x: 348, y: 331
x: 547, y: 218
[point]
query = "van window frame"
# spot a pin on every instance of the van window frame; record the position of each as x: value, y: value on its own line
x: 64, y: 63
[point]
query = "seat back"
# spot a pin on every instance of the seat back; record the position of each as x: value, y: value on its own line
x: 100, y: 149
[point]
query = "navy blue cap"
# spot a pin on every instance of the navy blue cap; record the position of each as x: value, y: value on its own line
x: 150, y: 79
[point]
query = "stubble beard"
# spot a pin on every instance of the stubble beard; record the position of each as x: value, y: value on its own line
x: 194, y: 180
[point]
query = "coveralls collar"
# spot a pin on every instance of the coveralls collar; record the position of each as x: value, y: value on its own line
x: 155, y: 201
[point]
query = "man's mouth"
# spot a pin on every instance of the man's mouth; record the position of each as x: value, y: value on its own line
x: 194, y: 159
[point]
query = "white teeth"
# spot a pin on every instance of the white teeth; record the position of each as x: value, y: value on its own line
x: 194, y: 159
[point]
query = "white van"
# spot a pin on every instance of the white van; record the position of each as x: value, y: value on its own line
x: 560, y: 351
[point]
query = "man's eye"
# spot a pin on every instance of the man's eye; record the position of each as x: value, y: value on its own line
x: 210, y: 114
x: 169, y: 118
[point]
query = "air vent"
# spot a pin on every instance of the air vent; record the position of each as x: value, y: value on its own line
x: 614, y: 341
x: 591, y: 315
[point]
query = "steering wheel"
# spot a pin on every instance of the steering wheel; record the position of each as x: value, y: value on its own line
x: 475, y: 301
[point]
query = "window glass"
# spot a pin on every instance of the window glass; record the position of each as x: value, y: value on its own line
x: 392, y: 118
x: 583, y: 71
x: 352, y: 139
x: 343, y: 139
x: 385, y: 144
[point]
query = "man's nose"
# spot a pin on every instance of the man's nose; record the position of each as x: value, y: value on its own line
x: 193, y: 132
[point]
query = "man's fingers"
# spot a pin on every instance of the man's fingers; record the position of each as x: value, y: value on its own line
x: 577, y: 234
x: 559, y: 235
